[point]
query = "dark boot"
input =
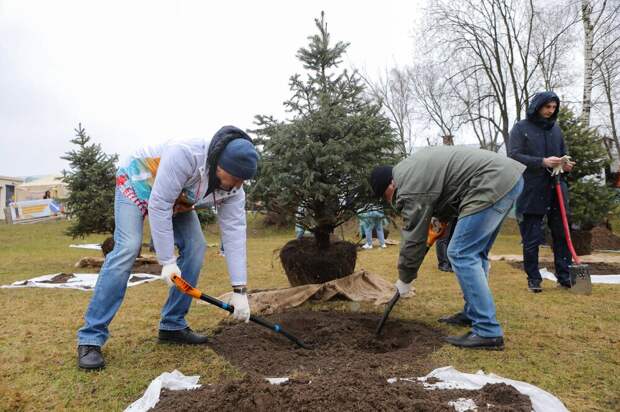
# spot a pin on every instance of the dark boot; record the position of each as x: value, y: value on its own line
x: 472, y: 341
x: 458, y: 319
x: 445, y: 267
x: 90, y: 357
x: 565, y: 285
x: 182, y: 337
x: 534, y: 286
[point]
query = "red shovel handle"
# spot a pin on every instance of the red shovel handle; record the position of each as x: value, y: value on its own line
x: 558, y: 191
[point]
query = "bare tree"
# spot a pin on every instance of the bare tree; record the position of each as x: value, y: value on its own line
x: 434, y: 93
x: 554, y: 57
x: 607, y: 75
x: 395, y: 96
x: 479, y: 109
x: 499, y: 34
x: 601, y: 25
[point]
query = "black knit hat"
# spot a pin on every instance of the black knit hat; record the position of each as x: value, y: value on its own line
x: 380, y: 179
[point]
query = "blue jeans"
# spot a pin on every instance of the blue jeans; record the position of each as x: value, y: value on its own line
x: 378, y: 226
x: 468, y: 252
x: 299, y: 232
x: 112, y: 281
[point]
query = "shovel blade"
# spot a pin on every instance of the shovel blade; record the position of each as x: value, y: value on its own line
x: 581, y: 282
x: 388, y: 309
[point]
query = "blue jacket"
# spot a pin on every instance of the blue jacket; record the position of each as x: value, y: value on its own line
x: 531, y: 140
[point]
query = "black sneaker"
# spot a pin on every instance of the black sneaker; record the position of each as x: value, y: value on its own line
x: 458, y: 319
x: 90, y: 357
x: 472, y: 341
x: 182, y: 337
x: 534, y: 286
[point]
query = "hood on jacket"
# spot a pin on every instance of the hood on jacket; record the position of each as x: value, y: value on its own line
x: 536, y: 103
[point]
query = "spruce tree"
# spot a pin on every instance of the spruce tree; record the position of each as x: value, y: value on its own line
x: 91, y: 183
x: 589, y: 198
x: 315, y: 165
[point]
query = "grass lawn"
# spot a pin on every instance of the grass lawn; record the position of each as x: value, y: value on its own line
x: 568, y: 345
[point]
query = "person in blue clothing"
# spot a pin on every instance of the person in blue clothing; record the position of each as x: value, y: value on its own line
x: 373, y: 219
x: 538, y: 143
x: 166, y: 182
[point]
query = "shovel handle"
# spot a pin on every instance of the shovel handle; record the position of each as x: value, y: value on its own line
x: 569, y: 241
x: 188, y: 289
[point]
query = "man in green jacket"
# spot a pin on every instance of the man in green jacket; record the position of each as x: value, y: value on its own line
x: 477, y: 186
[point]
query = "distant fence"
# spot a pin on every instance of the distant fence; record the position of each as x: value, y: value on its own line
x: 32, y: 211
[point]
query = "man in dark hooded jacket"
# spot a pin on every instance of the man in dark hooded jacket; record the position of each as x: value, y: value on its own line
x: 538, y: 143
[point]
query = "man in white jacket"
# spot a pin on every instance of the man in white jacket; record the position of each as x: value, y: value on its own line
x: 167, y: 182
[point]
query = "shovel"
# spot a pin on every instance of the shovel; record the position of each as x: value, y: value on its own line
x: 188, y: 289
x: 580, y: 280
x: 435, y: 230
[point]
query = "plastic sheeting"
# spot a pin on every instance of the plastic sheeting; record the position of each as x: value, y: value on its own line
x: 174, y: 380
x: 92, y: 246
x: 80, y: 281
x: 451, y: 378
x: 601, y: 279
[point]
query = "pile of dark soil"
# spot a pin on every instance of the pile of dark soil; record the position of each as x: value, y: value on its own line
x: 582, y: 242
x: 340, y: 340
x: 605, y: 239
x: 134, y: 278
x: 145, y: 264
x: 358, y: 393
x: 305, y: 264
x: 60, y: 278
x: 597, y: 268
x: 346, y: 370
x: 150, y: 268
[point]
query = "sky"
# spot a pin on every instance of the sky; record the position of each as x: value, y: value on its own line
x: 142, y: 72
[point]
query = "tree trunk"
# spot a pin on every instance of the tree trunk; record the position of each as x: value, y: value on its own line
x: 321, y: 235
x: 586, y: 18
x: 448, y: 140
x: 505, y: 130
x: 612, y: 123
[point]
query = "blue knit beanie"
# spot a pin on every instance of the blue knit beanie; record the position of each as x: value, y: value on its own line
x: 239, y: 158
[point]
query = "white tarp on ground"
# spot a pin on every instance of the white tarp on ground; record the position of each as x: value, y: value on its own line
x: 93, y: 246
x: 174, y: 381
x: 542, y: 401
x: 602, y: 279
x: 81, y: 281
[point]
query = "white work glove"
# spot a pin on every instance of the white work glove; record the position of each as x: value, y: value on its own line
x: 242, y: 307
x: 560, y: 168
x: 402, y: 287
x: 168, y: 270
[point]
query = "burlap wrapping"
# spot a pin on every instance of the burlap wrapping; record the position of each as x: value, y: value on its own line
x: 359, y: 287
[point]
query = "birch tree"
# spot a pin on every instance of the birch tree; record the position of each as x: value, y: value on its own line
x: 601, y: 25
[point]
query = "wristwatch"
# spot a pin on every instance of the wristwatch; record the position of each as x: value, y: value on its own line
x: 240, y: 289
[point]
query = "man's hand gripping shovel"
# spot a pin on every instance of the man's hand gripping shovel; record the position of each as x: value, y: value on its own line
x: 188, y: 289
x: 435, y: 230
